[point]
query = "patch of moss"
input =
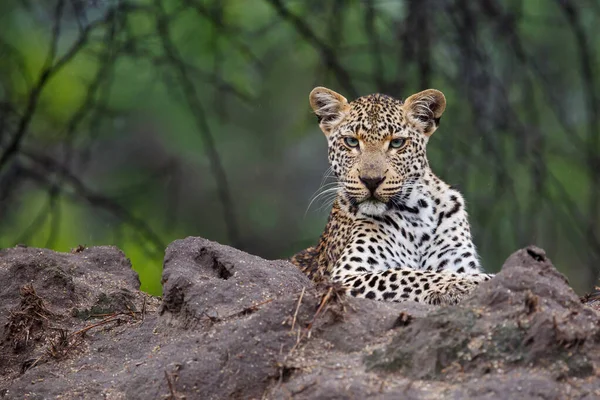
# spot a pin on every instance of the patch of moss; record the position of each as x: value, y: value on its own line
x: 449, y: 331
x: 380, y: 359
x: 507, y: 343
x: 579, y: 365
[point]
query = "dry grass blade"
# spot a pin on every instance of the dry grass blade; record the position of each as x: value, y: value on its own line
x: 334, y: 293
x: 324, y: 300
x: 249, y: 309
x: 173, y: 394
x: 297, y: 308
x: 111, y: 318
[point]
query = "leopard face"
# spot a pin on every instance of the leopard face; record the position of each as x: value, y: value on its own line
x: 376, y: 144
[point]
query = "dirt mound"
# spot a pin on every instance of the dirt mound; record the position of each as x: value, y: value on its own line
x: 232, y: 325
x: 526, y: 317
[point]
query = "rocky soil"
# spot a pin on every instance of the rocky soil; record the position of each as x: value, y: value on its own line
x: 232, y: 325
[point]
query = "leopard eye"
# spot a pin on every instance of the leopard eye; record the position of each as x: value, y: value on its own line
x: 397, y: 143
x: 351, y: 141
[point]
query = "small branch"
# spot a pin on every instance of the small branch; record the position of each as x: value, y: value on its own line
x: 105, y: 321
x: 173, y: 394
x: 48, y: 71
x: 94, y: 198
x: 586, y: 63
x: 199, y: 115
x: 297, y: 308
x: 327, y: 53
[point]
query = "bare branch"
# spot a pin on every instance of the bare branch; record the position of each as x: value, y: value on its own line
x: 327, y: 52
x: 96, y: 199
x: 197, y: 111
x: 50, y: 69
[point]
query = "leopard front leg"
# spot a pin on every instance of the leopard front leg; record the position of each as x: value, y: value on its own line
x: 401, y: 284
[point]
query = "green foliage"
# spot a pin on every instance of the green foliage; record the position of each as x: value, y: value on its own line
x: 159, y: 87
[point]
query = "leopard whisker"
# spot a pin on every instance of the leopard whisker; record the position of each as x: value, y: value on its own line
x: 332, y: 190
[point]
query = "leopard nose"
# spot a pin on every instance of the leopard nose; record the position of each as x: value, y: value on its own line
x: 372, y: 183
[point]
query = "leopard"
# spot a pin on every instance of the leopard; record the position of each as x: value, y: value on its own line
x: 396, y: 232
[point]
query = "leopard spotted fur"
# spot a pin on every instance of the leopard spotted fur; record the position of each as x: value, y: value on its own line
x: 396, y: 232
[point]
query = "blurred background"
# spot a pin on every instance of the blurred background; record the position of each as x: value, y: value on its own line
x: 135, y: 123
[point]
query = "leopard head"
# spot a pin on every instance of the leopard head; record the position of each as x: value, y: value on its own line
x: 376, y: 144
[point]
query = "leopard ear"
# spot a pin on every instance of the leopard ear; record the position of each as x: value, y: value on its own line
x: 329, y: 106
x: 426, y: 109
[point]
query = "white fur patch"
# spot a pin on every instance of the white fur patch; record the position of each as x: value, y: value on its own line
x: 331, y: 109
x: 422, y: 110
x: 372, y: 208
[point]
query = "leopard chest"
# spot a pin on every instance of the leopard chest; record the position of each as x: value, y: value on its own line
x: 396, y: 239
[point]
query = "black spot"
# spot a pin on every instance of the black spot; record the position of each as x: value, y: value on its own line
x: 454, y: 209
x: 412, y: 210
x: 356, y: 292
x: 424, y: 238
x: 357, y: 283
x: 360, y: 249
x: 390, y: 221
x: 361, y: 269
x: 347, y: 267
x: 444, y: 250
x: 422, y: 203
x: 460, y: 270
x: 373, y: 281
x: 371, y: 261
x: 360, y: 241
x: 440, y: 218
x: 355, y: 259
x: 442, y: 264
x: 370, y: 295
x: 388, y: 295
x: 393, y: 278
x: 372, y: 249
